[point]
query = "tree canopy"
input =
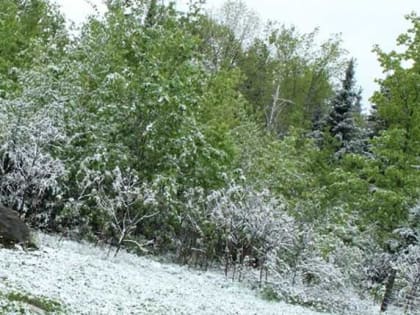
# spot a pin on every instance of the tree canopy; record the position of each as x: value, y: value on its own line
x: 186, y: 130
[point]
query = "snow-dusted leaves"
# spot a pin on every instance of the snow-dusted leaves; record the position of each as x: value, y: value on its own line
x: 119, y: 196
x: 252, y: 223
x: 30, y: 173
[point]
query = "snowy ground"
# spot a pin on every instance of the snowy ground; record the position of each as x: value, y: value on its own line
x: 85, y: 281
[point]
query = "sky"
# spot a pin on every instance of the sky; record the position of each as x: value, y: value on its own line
x: 361, y: 23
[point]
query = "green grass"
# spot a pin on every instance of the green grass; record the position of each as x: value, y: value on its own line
x: 269, y: 294
x: 16, y: 301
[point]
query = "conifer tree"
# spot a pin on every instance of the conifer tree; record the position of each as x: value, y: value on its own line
x: 151, y: 13
x: 340, y: 122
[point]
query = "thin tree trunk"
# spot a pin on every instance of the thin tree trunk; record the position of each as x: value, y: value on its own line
x: 412, y: 295
x: 388, y: 290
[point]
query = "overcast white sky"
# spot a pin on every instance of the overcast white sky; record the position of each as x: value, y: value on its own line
x: 362, y: 24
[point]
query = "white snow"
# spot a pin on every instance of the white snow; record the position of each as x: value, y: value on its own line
x: 86, y: 281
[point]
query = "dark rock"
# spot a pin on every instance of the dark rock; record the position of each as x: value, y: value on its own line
x: 12, y: 229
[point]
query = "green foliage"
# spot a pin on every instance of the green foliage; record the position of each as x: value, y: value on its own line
x: 27, y: 27
x: 397, y: 102
x: 139, y: 96
x: 224, y: 34
x: 289, y: 79
x: 396, y: 149
x: 269, y: 294
x: 346, y: 103
x: 137, y: 127
x: 257, y: 66
x: 158, y: 90
x: 23, y: 300
x: 217, y: 43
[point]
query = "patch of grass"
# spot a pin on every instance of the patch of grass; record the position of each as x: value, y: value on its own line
x: 316, y: 305
x: 269, y: 294
x: 19, y: 299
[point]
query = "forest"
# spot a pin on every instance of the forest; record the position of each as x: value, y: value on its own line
x: 165, y: 131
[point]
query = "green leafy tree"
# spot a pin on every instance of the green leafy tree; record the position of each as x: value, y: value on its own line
x: 225, y: 33
x: 140, y: 97
x: 27, y: 27
x: 380, y: 187
x: 397, y: 102
x: 257, y: 66
x: 397, y: 148
x: 295, y: 78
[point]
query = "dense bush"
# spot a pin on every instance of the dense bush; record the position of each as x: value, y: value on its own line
x: 124, y: 132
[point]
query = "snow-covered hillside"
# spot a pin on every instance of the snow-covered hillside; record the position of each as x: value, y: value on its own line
x: 82, y: 279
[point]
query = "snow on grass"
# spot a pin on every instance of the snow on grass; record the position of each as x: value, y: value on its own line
x: 85, y: 281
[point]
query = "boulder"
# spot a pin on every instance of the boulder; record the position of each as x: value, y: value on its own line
x: 12, y: 229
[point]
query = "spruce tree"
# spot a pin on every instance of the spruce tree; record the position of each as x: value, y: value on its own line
x: 374, y: 122
x: 152, y: 13
x: 340, y: 122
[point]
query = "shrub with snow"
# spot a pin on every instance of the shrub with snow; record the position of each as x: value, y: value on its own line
x: 30, y: 174
x: 250, y: 223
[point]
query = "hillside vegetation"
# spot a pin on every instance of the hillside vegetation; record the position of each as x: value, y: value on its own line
x: 65, y: 277
x: 197, y: 135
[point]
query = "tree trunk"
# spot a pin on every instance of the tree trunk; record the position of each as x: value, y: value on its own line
x: 388, y: 290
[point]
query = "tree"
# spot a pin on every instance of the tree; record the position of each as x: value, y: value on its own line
x: 250, y: 223
x: 30, y: 171
x: 27, y: 27
x: 123, y: 203
x: 140, y: 97
x: 398, y: 100
x: 288, y: 78
x: 225, y: 33
x: 256, y: 64
x: 341, y: 122
x: 392, y: 172
x: 241, y: 20
x: 152, y: 13
x: 374, y: 123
